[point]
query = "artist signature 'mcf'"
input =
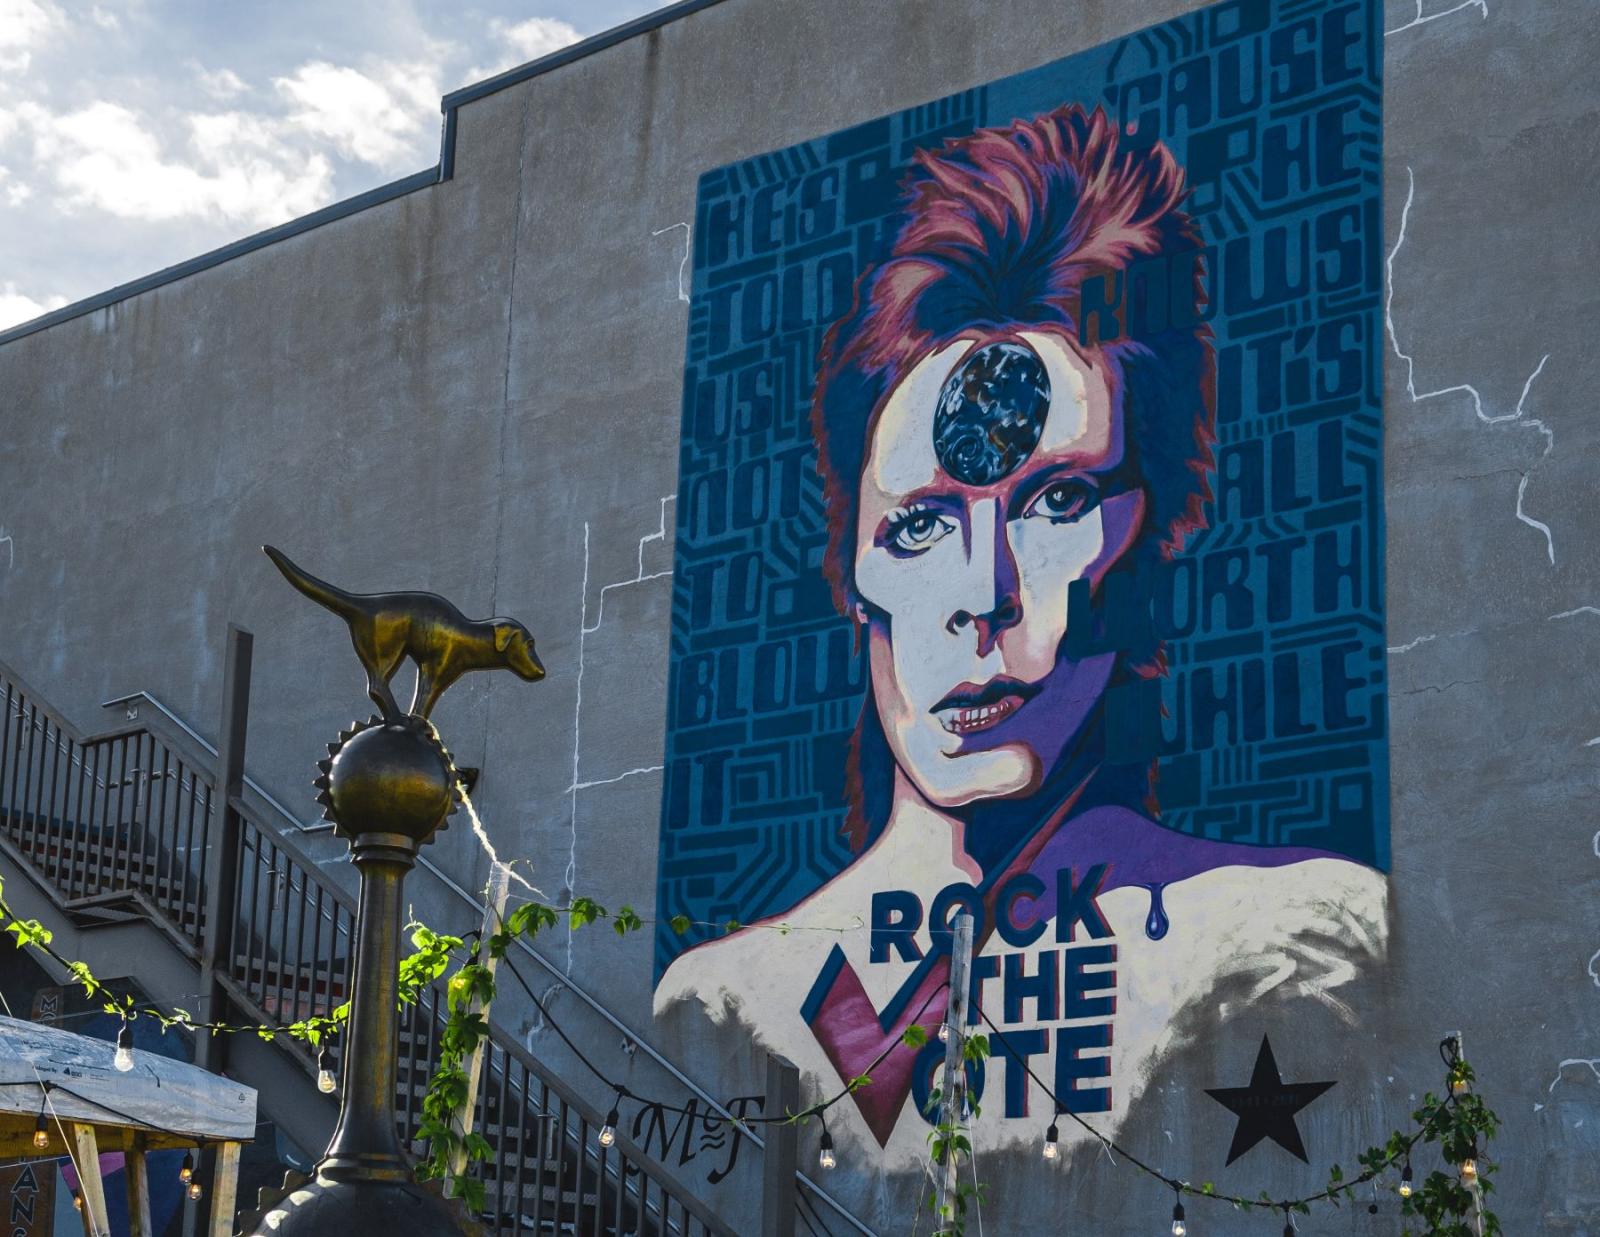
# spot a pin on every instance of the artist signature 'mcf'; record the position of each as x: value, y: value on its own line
x: 659, y: 1131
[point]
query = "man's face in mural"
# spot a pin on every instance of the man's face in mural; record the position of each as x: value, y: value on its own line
x: 986, y: 492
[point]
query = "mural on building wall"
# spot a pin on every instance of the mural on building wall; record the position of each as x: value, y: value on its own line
x: 1030, y: 562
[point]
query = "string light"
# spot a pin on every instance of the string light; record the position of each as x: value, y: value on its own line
x: 608, y: 1131
x: 825, y: 1156
x: 1180, y: 1226
x: 186, y: 1170
x: 1288, y: 1223
x: 326, y: 1083
x: 1469, y: 1166
x: 944, y: 1032
x: 41, y: 1130
x: 77, y: 1201
x: 1052, y: 1140
x: 1405, y: 1179
x: 195, y: 1192
x: 1459, y: 1086
x: 123, y: 1061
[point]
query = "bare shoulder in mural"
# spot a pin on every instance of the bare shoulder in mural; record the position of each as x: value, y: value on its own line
x: 1000, y: 454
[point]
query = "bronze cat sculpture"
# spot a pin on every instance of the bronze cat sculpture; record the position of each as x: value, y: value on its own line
x: 386, y: 628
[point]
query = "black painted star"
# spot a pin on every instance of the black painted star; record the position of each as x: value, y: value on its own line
x: 1266, y: 1108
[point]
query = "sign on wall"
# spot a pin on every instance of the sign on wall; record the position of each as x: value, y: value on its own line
x: 1029, y: 561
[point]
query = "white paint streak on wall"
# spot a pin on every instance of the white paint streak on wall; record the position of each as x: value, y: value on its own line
x: 1565, y: 614
x: 1410, y: 644
x: 1594, y: 958
x: 1593, y: 1064
x: 1422, y: 19
x: 11, y: 547
x: 683, y: 266
x: 585, y: 630
x: 1517, y: 416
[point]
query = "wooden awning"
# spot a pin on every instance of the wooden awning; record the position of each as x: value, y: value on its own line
x: 89, y: 1106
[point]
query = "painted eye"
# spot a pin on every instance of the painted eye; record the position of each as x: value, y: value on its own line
x: 1062, y: 502
x: 914, y: 532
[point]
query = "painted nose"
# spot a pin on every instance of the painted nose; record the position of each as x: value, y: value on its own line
x: 994, y: 573
x: 990, y: 624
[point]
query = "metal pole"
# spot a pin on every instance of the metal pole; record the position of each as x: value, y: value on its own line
x: 493, y: 918
x: 222, y: 857
x: 365, y: 1146
x: 953, y: 1089
x: 779, y: 1195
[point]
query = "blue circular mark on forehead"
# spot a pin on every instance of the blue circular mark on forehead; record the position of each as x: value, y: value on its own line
x: 991, y: 413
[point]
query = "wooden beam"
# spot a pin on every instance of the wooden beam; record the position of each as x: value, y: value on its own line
x: 224, y: 1190
x: 86, y: 1158
x: 493, y: 920
x: 138, y: 1178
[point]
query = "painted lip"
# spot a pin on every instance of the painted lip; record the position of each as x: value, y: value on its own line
x: 972, y: 707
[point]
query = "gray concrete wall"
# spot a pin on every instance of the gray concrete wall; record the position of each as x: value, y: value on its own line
x: 475, y: 389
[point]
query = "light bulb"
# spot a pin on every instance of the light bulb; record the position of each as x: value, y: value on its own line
x: 326, y: 1082
x: 77, y: 1201
x: 1405, y: 1181
x: 1179, y: 1225
x: 1459, y: 1086
x: 41, y: 1133
x: 123, y: 1061
x: 195, y: 1191
x: 187, y: 1169
x: 1469, y: 1170
x: 608, y: 1131
x: 1052, y: 1142
x: 825, y: 1156
x: 944, y: 1032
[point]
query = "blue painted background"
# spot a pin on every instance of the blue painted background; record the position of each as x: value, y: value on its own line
x: 766, y: 681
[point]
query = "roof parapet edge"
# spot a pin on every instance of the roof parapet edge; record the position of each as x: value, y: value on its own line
x: 442, y: 171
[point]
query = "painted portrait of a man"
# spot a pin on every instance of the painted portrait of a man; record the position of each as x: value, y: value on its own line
x: 991, y: 456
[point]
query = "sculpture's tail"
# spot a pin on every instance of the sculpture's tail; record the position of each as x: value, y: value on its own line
x: 320, y: 591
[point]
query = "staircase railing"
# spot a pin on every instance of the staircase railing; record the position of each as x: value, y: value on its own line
x: 120, y: 822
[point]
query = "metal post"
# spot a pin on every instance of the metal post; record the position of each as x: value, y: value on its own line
x: 365, y: 1145
x: 953, y: 1088
x: 779, y: 1196
x: 493, y: 919
x: 222, y: 859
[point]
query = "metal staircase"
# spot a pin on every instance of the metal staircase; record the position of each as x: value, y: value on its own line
x: 120, y: 825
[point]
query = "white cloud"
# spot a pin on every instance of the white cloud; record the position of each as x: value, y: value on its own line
x: 220, y: 83
x: 235, y: 167
x: 523, y: 41
x: 15, y: 307
x: 381, y: 117
x: 14, y: 192
x: 104, y: 19
x: 23, y: 25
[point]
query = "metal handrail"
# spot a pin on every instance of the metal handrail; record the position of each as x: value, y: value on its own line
x: 137, y: 839
x: 268, y: 965
x: 479, y: 909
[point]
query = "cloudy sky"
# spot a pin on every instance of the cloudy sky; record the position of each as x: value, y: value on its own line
x: 137, y: 133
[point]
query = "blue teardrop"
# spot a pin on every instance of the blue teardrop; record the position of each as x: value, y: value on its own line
x: 1156, y: 924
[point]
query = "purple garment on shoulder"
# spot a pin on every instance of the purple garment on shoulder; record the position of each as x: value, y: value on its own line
x: 1139, y: 852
